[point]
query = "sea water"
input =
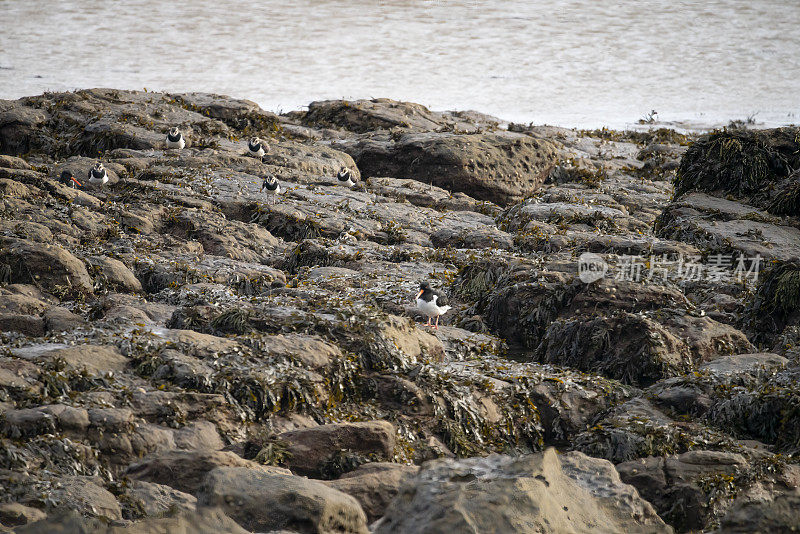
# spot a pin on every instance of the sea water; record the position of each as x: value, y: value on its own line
x: 578, y: 63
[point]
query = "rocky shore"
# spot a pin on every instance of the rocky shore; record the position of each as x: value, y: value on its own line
x: 179, y: 354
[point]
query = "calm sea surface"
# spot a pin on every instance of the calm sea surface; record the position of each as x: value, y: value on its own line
x: 580, y: 63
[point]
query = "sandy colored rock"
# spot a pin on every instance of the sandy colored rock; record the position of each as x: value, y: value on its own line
x: 543, y: 492
x: 259, y: 501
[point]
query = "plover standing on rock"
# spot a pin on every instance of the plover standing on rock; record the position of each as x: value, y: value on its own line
x: 67, y: 178
x: 257, y: 148
x: 175, y: 139
x: 98, y: 175
x: 431, y: 303
x: 346, y: 177
x: 271, y: 187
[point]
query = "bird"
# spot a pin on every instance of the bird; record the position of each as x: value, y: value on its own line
x: 67, y: 178
x: 257, y: 148
x: 271, y: 187
x: 431, y: 303
x: 175, y: 138
x: 98, y: 175
x: 345, y: 177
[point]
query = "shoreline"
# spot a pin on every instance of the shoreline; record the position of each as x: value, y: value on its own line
x: 183, y: 349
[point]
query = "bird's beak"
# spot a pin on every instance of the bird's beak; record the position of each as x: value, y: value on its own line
x: 76, y: 181
x: 421, y: 291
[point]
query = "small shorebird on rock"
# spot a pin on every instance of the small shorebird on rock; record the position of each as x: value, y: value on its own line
x: 271, y: 187
x: 346, y: 177
x: 67, y: 178
x: 175, y: 139
x: 257, y: 148
x: 98, y: 175
x: 431, y: 303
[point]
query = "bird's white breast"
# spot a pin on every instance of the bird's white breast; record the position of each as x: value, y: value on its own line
x: 180, y: 143
x: 431, y: 309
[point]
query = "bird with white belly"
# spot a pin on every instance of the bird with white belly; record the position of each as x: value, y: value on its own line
x: 431, y: 303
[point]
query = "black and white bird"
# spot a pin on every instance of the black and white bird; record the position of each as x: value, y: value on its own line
x: 346, y: 177
x: 271, y: 187
x: 175, y: 139
x: 98, y: 175
x: 67, y: 178
x: 431, y: 303
x: 257, y: 148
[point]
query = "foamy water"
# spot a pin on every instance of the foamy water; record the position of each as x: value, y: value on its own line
x: 581, y: 63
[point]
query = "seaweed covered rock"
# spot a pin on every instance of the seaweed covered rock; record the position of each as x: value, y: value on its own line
x: 776, y: 303
x: 634, y: 332
x: 678, y: 486
x: 544, y: 492
x: 742, y: 163
x: 262, y: 502
x: 498, y: 167
x: 48, y: 266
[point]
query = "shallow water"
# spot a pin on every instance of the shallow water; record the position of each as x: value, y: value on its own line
x: 580, y: 63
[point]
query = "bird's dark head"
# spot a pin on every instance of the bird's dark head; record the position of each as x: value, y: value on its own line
x: 174, y: 131
x: 98, y: 167
x: 66, y: 176
x: 423, y: 287
x: 255, y: 141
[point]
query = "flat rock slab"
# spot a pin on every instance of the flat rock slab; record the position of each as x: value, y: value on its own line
x: 262, y: 502
x: 543, y: 492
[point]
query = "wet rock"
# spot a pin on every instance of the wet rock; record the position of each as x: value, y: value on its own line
x: 374, y: 485
x: 48, y: 266
x: 185, y: 470
x: 500, y: 168
x: 260, y: 501
x: 326, y: 448
x: 741, y: 365
x: 543, y: 492
x: 29, y: 325
x: 18, y: 128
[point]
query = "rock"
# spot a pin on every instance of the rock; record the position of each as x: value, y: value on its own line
x: 776, y: 516
x: 201, y: 522
x: 86, y: 497
x: 498, y: 167
x: 722, y: 226
x: 59, y: 319
x: 543, y: 492
x: 374, y: 485
x: 18, y: 128
x: 114, y: 274
x: 744, y: 364
x: 680, y: 487
x: 259, y: 501
x: 29, y: 325
x: 47, y: 266
x: 318, y: 450
x: 363, y: 116
x: 156, y: 500
x: 13, y: 514
x: 98, y: 359
x: 185, y: 470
